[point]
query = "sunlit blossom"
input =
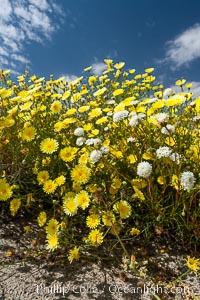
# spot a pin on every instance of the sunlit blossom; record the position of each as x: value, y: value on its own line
x: 68, y: 153
x: 95, y: 156
x: 93, y: 220
x: 42, y: 176
x: 134, y: 231
x: 79, y: 131
x: 120, y: 115
x: 60, y: 180
x: 49, y: 186
x: 56, y: 107
x: 123, y: 208
x: 144, y: 169
x: 49, y: 145
x: 52, y: 227
x: 70, y: 206
x: 74, y: 254
x: 187, y: 180
x: 42, y: 218
x: 80, y: 141
x: 193, y: 264
x: 29, y: 133
x: 14, y: 206
x: 163, y: 152
x: 95, y: 237
x: 162, y: 117
x: 52, y: 242
x: 5, y: 190
x: 81, y: 173
x: 175, y: 157
x: 108, y: 218
x: 83, y: 199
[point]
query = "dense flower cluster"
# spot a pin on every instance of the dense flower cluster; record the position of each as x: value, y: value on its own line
x: 94, y: 155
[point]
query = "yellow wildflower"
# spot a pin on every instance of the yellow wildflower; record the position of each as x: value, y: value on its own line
x: 70, y: 206
x: 42, y: 218
x: 5, y: 190
x: 118, y: 92
x: 14, y: 206
x: 60, y: 180
x: 74, y: 254
x: 93, y: 220
x: 68, y: 154
x: 123, y: 208
x: 52, y: 227
x: 42, y: 177
x: 83, y: 199
x: 80, y: 173
x: 52, y: 242
x: 49, y: 186
x: 161, y: 180
x: 134, y: 231
x: 108, y: 218
x: 56, y: 107
x: 95, y: 237
x: 28, y: 134
x: 49, y: 145
x: 193, y: 264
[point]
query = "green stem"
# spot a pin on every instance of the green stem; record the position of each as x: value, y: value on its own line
x: 122, y: 245
x: 182, y: 275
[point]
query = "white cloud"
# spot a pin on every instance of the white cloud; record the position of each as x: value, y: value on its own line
x: 98, y: 68
x: 185, y: 48
x: 22, y: 21
x: 41, y: 4
x: 195, y: 88
x: 5, y: 10
x: 69, y: 77
x: 20, y: 58
x: 3, y: 51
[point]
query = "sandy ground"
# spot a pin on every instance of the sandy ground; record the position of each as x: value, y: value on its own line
x: 26, y: 276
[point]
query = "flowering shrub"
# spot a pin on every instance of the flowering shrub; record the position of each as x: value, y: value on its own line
x: 105, y: 156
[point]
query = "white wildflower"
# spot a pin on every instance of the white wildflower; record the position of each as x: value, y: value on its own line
x: 175, y: 157
x: 164, y: 131
x: 168, y: 92
x: 135, y: 102
x: 162, y: 117
x: 89, y: 142
x: 131, y: 139
x: 134, y: 121
x: 97, y: 142
x: 79, y: 131
x: 193, y: 102
x: 163, y: 152
x: 110, y: 101
x: 170, y: 127
x: 196, y: 118
x: 141, y: 115
x: 187, y: 180
x: 152, y: 100
x: 104, y: 149
x: 80, y: 141
x: 95, y: 155
x: 93, y: 141
x: 120, y: 115
x: 144, y: 169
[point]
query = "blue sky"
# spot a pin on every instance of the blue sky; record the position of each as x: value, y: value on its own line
x: 62, y: 37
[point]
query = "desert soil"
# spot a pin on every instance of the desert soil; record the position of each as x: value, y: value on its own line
x: 27, y: 274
